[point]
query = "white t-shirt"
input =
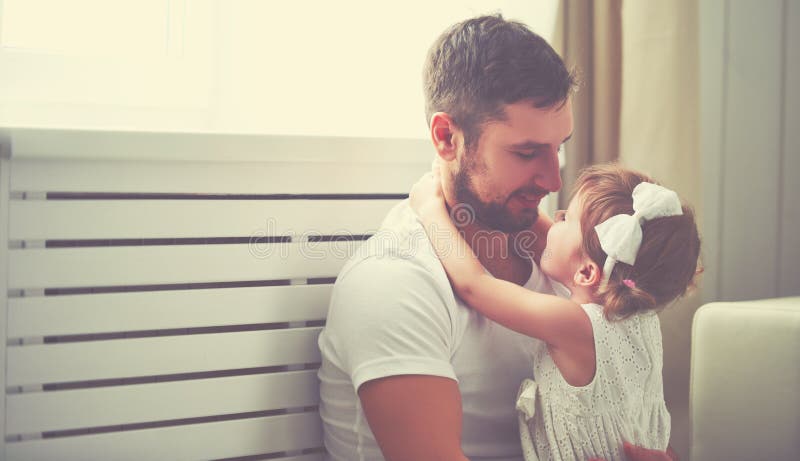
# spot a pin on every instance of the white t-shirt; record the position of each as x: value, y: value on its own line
x: 393, y: 312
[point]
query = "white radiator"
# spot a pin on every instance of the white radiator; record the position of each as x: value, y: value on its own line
x: 165, y: 291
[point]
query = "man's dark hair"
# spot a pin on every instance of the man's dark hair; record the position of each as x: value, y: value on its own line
x: 479, y: 65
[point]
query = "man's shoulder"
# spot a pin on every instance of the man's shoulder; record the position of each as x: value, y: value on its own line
x: 393, y: 279
x: 399, y: 247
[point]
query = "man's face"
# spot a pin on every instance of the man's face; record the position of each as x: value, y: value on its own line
x: 513, y: 166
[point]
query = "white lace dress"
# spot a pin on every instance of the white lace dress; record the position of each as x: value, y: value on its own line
x: 625, y: 401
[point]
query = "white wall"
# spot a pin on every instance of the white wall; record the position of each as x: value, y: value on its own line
x: 750, y: 118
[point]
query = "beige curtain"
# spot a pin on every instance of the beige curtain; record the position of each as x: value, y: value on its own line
x: 639, y: 104
x: 659, y: 134
x: 590, y: 38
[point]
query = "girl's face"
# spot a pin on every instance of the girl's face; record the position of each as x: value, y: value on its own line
x: 563, y: 255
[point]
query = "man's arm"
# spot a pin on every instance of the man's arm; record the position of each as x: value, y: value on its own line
x: 390, y: 329
x: 414, y: 417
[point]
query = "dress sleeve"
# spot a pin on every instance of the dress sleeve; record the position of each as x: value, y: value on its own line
x: 390, y: 316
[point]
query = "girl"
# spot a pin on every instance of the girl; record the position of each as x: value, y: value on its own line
x: 623, y: 248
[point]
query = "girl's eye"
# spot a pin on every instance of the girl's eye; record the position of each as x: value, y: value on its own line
x: 561, y: 215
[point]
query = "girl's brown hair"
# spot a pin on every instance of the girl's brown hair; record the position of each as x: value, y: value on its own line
x: 667, y: 261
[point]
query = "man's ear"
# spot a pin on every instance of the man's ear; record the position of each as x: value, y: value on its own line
x: 445, y: 135
x: 588, y: 274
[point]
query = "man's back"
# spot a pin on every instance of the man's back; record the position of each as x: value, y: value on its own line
x: 393, y: 313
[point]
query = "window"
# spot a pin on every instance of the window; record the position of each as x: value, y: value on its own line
x: 344, y: 68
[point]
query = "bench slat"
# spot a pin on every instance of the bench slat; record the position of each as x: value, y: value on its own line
x: 81, y: 361
x: 191, y: 442
x: 116, y: 219
x: 161, y: 310
x: 214, y: 177
x: 109, y: 406
x: 175, y: 264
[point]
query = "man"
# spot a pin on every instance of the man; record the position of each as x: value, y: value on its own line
x: 409, y: 372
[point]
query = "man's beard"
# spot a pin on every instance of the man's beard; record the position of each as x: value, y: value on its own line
x: 493, y: 215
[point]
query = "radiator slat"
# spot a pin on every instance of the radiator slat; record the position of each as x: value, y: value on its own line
x: 334, y: 177
x: 137, y: 219
x: 116, y: 405
x: 54, y: 363
x: 157, y: 310
x: 192, y: 442
x: 144, y: 265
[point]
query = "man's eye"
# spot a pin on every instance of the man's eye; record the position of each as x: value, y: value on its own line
x: 525, y: 155
x: 561, y: 215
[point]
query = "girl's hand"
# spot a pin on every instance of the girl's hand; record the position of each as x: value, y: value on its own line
x: 427, y: 195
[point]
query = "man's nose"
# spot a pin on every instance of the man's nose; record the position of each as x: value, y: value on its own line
x: 549, y: 175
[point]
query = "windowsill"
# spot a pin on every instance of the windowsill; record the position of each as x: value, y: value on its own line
x: 63, y: 144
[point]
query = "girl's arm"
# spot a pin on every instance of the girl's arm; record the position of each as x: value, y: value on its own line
x: 550, y: 318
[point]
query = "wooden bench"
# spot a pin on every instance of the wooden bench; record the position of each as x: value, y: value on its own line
x: 165, y: 291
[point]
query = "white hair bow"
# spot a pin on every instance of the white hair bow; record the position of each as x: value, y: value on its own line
x: 621, y: 235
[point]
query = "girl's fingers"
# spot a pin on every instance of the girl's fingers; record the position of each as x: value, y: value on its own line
x: 636, y: 453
